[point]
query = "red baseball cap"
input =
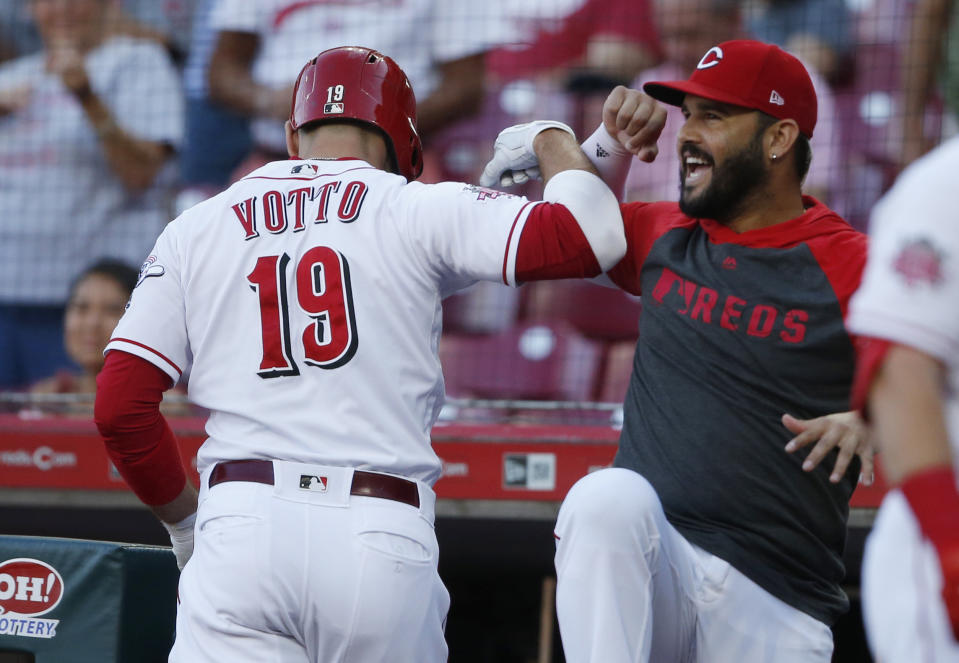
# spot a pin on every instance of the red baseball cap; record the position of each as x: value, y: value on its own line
x: 751, y: 74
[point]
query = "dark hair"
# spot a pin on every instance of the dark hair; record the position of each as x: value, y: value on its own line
x: 802, y: 151
x: 120, y: 272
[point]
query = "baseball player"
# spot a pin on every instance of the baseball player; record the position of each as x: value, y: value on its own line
x: 306, y: 298
x: 909, y: 302
x: 708, y: 540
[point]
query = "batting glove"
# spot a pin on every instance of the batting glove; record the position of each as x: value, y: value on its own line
x: 933, y: 498
x: 181, y: 536
x: 514, y: 161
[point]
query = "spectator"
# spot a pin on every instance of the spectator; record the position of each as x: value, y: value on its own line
x: 94, y: 307
x: 261, y: 47
x: 688, y: 28
x: 97, y: 300
x: 817, y: 31
x: 87, y: 128
x: 610, y: 38
x: 932, y: 48
x: 217, y: 138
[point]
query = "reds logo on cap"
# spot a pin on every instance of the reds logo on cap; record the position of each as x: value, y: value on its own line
x: 754, y: 75
x: 711, y: 59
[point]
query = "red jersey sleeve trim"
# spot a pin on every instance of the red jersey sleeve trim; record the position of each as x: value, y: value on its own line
x: 159, y: 355
x: 510, y: 249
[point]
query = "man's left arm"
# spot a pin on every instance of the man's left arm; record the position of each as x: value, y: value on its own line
x: 142, y: 446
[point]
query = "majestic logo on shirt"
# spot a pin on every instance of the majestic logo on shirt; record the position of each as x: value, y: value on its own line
x: 729, y: 263
x: 482, y: 193
x: 713, y: 57
x: 919, y: 263
x: 150, y: 268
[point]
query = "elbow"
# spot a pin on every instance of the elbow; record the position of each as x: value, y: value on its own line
x: 610, y: 246
x: 107, y: 416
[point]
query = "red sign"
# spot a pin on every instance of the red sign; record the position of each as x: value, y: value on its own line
x: 480, y: 461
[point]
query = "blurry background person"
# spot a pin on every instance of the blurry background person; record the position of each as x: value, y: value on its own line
x: 97, y: 300
x: 261, y: 46
x: 687, y: 29
x: 819, y: 32
x: 87, y: 128
x: 96, y: 303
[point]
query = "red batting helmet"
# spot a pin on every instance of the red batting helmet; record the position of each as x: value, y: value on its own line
x: 356, y: 83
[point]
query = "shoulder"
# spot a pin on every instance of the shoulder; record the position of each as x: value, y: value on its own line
x: 658, y: 217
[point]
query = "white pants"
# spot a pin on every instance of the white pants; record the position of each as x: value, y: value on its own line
x: 631, y: 589
x: 287, y: 575
x: 903, y: 610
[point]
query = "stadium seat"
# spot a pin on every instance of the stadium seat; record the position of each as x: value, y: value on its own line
x: 529, y: 361
x: 870, y: 139
x: 598, y: 312
x: 484, y: 308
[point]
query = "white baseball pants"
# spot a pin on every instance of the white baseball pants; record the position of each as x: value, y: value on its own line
x: 905, y: 617
x: 285, y: 574
x: 631, y: 589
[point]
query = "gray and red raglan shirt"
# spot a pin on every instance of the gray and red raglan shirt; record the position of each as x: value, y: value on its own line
x: 736, y: 330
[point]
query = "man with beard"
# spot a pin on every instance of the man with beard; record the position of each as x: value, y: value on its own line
x: 711, y: 539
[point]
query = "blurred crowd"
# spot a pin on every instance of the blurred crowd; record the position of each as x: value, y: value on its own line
x: 116, y: 115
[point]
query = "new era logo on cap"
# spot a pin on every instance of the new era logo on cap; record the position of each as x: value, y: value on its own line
x: 750, y: 74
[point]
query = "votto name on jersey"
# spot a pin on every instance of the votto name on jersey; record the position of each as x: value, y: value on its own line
x: 277, y: 211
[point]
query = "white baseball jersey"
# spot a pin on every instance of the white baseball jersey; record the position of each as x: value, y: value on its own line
x: 910, y: 295
x: 307, y: 296
x: 910, y: 289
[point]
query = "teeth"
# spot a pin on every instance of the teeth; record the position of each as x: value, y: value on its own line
x: 695, y: 161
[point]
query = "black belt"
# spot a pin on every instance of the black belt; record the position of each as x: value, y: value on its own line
x: 366, y: 484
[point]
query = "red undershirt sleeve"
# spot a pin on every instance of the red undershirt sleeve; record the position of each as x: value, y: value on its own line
x: 870, y: 353
x: 137, y: 437
x: 553, y: 246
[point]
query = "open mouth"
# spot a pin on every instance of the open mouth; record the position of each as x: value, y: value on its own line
x: 695, y: 169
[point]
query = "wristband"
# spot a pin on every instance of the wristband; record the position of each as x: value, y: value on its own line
x: 610, y: 159
x: 934, y: 500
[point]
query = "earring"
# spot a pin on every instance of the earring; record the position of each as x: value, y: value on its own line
x: 773, y: 156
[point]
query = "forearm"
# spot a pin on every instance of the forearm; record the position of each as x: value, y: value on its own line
x: 920, y: 66
x: 458, y: 94
x: 906, y: 406
x: 134, y: 161
x: 557, y: 151
x: 182, y: 506
x: 137, y: 438
x: 611, y: 160
x: 231, y: 80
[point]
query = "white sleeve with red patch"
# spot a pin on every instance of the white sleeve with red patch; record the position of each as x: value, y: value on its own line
x: 910, y: 288
x: 154, y: 324
x: 465, y: 233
